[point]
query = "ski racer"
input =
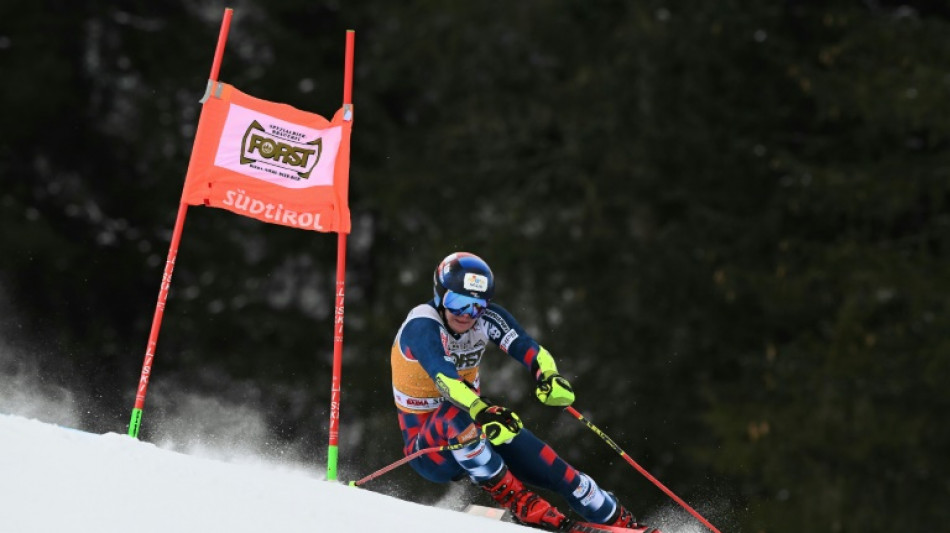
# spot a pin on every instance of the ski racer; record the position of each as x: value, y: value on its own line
x: 435, y: 360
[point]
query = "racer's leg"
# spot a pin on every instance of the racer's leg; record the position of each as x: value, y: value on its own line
x: 536, y: 463
x: 448, y: 425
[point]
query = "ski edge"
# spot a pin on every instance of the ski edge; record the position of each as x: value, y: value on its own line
x: 590, y: 527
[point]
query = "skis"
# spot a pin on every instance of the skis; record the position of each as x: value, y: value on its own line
x: 575, y: 527
x: 589, y: 527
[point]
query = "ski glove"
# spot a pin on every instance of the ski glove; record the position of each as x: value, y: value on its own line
x: 552, y: 388
x: 499, y: 424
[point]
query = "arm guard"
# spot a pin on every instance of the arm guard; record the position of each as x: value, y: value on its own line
x: 457, y: 391
x: 543, y: 364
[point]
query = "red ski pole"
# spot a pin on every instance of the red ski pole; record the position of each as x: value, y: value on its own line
x: 639, y: 468
x: 413, y: 455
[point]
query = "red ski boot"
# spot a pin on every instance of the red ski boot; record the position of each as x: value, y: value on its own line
x: 526, y: 506
x: 625, y: 519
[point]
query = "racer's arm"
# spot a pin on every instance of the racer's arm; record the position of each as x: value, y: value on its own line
x: 552, y: 388
x: 508, y: 334
x: 421, y: 339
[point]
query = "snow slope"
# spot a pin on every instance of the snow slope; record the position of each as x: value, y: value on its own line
x: 54, y: 479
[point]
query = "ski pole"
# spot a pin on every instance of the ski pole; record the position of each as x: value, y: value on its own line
x: 413, y: 455
x: 639, y: 468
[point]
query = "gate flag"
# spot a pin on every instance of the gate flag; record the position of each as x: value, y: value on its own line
x: 271, y: 161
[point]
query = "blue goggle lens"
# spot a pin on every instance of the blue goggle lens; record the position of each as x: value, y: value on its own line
x: 460, y: 304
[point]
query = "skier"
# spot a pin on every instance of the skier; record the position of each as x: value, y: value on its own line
x: 435, y: 357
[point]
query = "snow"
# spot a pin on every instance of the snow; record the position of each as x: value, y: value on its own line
x: 55, y: 479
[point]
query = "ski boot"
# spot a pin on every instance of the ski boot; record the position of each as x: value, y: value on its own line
x: 625, y: 519
x: 526, y: 506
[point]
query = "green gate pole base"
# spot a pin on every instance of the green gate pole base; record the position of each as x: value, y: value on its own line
x: 135, y: 423
x: 332, y: 454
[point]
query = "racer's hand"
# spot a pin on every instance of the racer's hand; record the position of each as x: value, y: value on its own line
x: 554, y: 390
x: 499, y: 424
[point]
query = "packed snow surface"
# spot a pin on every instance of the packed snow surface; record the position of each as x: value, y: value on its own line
x: 55, y: 480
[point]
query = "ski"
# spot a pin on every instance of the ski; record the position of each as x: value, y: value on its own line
x: 574, y: 527
x: 590, y: 527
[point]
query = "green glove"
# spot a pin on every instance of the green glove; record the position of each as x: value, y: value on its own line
x: 552, y: 389
x: 499, y: 424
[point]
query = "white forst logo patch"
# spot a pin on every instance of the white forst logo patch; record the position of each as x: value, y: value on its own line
x: 475, y: 282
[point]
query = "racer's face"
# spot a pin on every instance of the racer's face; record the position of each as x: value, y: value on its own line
x: 458, y: 324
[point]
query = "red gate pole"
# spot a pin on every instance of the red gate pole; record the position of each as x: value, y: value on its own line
x: 333, y: 448
x: 136, y: 422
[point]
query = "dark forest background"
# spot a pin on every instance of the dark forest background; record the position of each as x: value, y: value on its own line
x: 728, y: 221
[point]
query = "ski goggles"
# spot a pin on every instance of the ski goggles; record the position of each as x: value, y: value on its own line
x: 460, y: 304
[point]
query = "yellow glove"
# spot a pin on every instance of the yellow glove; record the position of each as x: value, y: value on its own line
x: 553, y: 389
x: 499, y: 424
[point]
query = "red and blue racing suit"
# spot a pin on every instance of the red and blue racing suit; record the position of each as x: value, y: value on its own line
x: 425, y: 347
